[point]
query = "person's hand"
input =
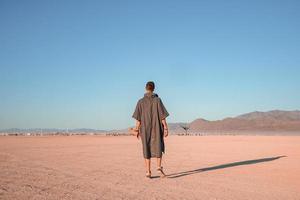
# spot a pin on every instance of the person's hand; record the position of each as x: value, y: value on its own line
x: 135, y: 132
x: 166, y: 132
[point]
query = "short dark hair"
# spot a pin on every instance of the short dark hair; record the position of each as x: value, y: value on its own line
x: 150, y: 86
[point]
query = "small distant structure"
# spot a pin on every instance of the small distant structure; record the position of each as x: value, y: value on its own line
x: 117, y: 134
x: 185, y: 128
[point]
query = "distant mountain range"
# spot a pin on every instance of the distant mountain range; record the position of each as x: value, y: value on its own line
x: 53, y: 130
x: 272, y: 121
x: 276, y: 120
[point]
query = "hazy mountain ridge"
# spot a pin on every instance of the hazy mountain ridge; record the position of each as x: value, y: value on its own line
x: 275, y: 115
x: 276, y: 120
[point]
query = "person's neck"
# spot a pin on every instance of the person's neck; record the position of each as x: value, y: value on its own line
x: 149, y: 92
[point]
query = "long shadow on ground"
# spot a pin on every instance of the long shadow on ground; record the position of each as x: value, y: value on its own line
x: 234, y: 164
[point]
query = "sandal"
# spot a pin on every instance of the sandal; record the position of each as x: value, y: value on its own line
x: 162, y: 173
x: 148, y: 174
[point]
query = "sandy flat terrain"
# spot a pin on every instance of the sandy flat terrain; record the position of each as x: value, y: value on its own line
x: 99, y: 167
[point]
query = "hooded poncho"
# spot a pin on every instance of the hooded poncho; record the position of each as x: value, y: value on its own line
x: 150, y: 111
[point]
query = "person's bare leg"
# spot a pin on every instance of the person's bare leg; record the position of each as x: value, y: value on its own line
x: 148, y: 167
x: 160, y: 168
x: 159, y: 162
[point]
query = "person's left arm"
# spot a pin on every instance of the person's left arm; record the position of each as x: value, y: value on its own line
x: 137, y: 116
x: 137, y: 128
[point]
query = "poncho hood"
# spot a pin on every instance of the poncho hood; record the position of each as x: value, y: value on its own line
x: 152, y: 95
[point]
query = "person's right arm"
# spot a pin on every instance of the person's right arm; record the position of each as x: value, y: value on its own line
x: 165, y: 125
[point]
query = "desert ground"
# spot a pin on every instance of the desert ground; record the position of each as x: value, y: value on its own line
x: 107, y: 167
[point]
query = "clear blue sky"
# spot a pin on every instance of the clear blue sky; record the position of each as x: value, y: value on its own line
x: 71, y: 64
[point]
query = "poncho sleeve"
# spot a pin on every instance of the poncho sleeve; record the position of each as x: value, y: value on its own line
x: 162, y: 111
x: 138, y: 112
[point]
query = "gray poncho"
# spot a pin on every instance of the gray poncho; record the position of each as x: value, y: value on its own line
x: 150, y: 111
